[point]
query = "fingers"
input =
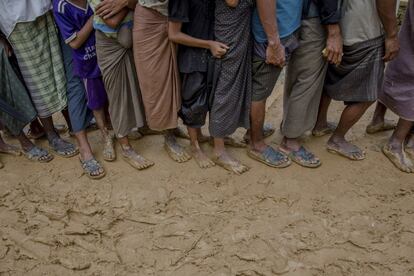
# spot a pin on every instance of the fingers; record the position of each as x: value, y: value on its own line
x: 224, y: 46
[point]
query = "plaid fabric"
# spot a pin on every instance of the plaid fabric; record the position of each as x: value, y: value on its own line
x: 37, y: 49
x: 16, y: 108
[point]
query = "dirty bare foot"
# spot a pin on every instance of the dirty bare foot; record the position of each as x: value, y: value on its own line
x: 344, y: 148
x: 397, y: 156
x: 175, y: 150
x: 135, y: 160
x: 227, y: 162
x: 322, y: 130
x: 10, y: 149
x: 201, y: 158
x: 376, y: 127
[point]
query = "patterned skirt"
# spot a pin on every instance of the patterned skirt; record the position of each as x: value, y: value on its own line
x: 360, y: 75
x: 38, y: 53
x: 16, y: 108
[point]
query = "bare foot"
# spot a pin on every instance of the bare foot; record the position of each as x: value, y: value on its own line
x: 375, y: 127
x: 322, y: 130
x: 175, y: 150
x: 201, y: 158
x: 10, y: 149
x: 344, y: 148
x: 398, y: 157
x: 227, y: 162
x: 135, y: 160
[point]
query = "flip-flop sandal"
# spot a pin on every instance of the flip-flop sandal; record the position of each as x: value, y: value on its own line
x: 217, y: 160
x: 270, y: 157
x: 268, y: 130
x: 109, y: 149
x: 303, y: 158
x: 381, y: 127
x: 38, y: 155
x: 396, y: 160
x: 91, y: 166
x: 12, y: 150
x: 349, y: 155
x: 135, y: 164
x: 325, y: 131
x: 67, y: 150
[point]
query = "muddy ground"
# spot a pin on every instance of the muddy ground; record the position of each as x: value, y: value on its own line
x: 346, y: 218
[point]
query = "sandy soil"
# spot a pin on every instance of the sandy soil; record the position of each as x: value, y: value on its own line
x: 346, y: 218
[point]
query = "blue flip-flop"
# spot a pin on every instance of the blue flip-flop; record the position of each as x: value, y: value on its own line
x: 270, y: 157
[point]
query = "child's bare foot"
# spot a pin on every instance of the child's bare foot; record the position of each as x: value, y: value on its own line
x: 10, y: 149
x: 135, y: 160
x: 227, y: 162
x: 201, y: 158
x: 175, y: 150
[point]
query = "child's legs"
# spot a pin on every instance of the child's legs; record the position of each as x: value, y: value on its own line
x: 97, y: 102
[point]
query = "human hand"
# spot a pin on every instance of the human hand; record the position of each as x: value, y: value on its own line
x: 333, y: 51
x: 276, y: 54
x: 218, y: 49
x: 108, y: 8
x: 392, y: 48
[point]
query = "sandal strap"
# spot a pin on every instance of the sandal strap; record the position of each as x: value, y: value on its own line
x: 91, y: 165
x: 36, y: 152
x: 273, y: 156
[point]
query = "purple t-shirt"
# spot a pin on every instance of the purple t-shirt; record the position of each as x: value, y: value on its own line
x: 70, y: 19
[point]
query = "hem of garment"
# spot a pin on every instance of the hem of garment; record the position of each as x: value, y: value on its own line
x: 54, y: 112
x: 394, y: 111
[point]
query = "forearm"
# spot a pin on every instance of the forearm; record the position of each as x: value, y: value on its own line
x: 184, y: 39
x: 387, y: 13
x: 115, y: 20
x: 176, y: 35
x: 82, y: 35
x: 266, y: 10
x: 333, y: 30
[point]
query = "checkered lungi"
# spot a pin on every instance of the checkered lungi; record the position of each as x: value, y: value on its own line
x: 38, y: 52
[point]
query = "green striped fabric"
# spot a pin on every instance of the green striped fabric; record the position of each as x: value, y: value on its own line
x: 38, y: 52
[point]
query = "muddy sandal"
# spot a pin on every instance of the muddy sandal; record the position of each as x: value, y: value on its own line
x: 270, y: 157
x: 396, y: 160
x: 38, y: 155
x: 303, y: 157
x: 63, y: 148
x: 92, y: 169
x: 350, y: 154
x: 109, y: 154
